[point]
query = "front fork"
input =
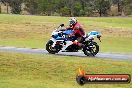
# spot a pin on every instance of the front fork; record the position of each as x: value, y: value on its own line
x: 64, y: 45
x: 55, y: 42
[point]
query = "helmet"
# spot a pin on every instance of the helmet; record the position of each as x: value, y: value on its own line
x: 72, y: 20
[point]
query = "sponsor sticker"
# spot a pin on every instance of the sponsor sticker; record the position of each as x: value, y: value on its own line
x: 83, y: 78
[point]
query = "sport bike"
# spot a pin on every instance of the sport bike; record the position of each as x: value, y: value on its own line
x: 61, y: 41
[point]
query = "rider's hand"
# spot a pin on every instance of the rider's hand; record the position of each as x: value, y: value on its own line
x: 62, y: 25
x: 70, y: 35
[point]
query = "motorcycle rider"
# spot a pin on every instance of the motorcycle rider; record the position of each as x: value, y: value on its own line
x: 78, y: 31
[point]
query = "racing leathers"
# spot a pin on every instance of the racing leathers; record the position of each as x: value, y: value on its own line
x: 78, y: 32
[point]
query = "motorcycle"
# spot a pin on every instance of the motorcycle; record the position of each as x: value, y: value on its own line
x: 61, y: 41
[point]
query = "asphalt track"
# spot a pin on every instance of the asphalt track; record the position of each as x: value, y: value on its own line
x: 113, y: 56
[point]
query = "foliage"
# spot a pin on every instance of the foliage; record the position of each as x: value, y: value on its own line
x: 70, y: 7
x: 77, y: 8
x: 65, y: 11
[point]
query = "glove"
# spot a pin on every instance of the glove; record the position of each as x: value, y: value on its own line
x: 62, y: 25
x: 70, y: 35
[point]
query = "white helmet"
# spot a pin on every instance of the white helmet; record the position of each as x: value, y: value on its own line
x: 73, y: 20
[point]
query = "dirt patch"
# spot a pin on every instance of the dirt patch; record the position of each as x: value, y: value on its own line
x: 117, y: 32
x: 42, y: 30
x: 25, y: 30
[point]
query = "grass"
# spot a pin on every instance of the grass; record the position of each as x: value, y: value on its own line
x: 119, y: 22
x: 32, y: 43
x: 116, y: 44
x: 35, y: 31
x: 110, y: 22
x: 45, y: 71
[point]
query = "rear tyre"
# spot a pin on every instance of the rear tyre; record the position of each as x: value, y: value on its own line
x: 91, y: 50
x: 51, y: 49
x: 95, y: 48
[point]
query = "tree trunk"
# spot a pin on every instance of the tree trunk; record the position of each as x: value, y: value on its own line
x: 7, y: 8
x: 71, y: 12
x: 119, y: 6
x: 71, y: 2
x: 100, y: 13
x: 82, y: 3
x: 0, y: 8
x: 123, y: 11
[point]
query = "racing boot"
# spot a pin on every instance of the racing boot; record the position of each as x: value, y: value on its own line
x: 66, y: 44
x: 79, y: 44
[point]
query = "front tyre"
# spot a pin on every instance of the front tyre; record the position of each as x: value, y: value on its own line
x: 51, y: 49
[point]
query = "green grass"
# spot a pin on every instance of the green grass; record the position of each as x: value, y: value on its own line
x: 32, y: 43
x: 110, y: 22
x: 45, y: 71
x: 35, y: 31
x: 117, y: 22
x: 116, y: 44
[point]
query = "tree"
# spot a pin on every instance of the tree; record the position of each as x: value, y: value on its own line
x: 16, y: 6
x: 0, y: 7
x: 77, y: 8
x: 102, y: 6
x: 6, y: 2
x: 69, y: 7
x: 65, y: 11
x: 126, y: 6
x: 31, y: 6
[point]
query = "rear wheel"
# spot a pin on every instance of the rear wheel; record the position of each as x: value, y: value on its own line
x: 91, y: 49
x: 51, y: 49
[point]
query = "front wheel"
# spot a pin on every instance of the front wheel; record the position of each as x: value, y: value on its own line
x: 91, y: 49
x: 51, y: 49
